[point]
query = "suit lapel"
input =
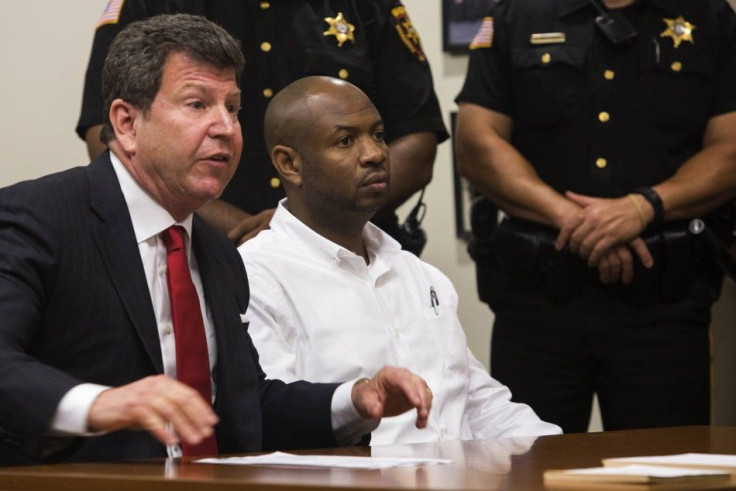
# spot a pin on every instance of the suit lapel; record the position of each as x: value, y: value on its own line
x: 118, y: 248
x: 220, y: 298
x: 212, y: 282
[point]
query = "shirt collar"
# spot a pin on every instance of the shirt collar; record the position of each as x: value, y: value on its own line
x: 378, y: 244
x: 149, y: 218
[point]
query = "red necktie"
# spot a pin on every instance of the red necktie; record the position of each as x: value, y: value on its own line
x: 192, y: 360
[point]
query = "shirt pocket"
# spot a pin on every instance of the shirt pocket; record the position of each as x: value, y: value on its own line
x: 549, y: 84
x: 680, y: 87
x: 442, y: 344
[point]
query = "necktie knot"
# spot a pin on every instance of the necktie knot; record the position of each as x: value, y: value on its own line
x: 174, y: 238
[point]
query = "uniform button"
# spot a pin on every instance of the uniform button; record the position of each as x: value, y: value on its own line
x: 267, y: 93
x: 676, y: 66
x: 275, y: 182
x: 343, y: 74
x: 167, y: 329
x: 601, y: 163
x: 265, y: 46
x: 604, y: 117
x: 609, y: 74
x: 265, y: 5
x: 546, y: 58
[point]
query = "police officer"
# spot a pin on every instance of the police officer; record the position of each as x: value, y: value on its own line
x: 600, y: 128
x: 372, y: 44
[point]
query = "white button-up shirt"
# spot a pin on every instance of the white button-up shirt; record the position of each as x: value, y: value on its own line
x: 318, y: 312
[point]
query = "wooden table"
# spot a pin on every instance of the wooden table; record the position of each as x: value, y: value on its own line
x: 511, y: 463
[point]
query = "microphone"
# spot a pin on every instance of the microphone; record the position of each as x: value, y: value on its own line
x: 723, y: 256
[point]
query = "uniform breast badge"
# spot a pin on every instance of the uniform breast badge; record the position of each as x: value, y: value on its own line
x: 679, y: 30
x: 340, y: 28
x: 407, y: 33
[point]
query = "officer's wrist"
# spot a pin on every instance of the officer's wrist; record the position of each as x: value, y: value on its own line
x: 655, y: 201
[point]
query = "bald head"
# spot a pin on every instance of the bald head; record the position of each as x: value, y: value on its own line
x: 290, y: 113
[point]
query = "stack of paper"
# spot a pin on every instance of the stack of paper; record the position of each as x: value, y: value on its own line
x: 682, y: 468
x: 633, y: 474
x: 687, y: 460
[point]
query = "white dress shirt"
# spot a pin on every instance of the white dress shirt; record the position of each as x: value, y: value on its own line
x: 149, y: 220
x: 318, y: 312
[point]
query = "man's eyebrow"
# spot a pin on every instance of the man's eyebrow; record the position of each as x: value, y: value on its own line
x: 203, y: 87
x: 345, y: 127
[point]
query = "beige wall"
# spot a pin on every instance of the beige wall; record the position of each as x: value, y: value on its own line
x: 44, y: 46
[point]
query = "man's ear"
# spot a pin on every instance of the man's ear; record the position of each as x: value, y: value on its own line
x: 288, y: 163
x: 123, y: 117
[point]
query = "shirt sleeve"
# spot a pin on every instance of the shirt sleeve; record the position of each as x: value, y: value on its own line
x: 108, y: 27
x: 348, y: 426
x: 726, y: 76
x: 71, y: 414
x: 491, y: 413
x: 406, y: 97
x: 488, y: 79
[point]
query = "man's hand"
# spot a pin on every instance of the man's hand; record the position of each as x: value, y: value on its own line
x: 157, y: 404
x: 606, y: 223
x: 249, y: 227
x: 392, y: 391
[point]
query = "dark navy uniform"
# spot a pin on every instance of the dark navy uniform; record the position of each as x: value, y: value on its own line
x: 603, y: 120
x: 284, y: 40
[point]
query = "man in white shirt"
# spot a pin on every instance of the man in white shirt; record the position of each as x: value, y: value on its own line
x: 333, y: 297
x: 95, y: 340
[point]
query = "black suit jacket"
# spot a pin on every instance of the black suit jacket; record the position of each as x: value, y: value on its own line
x: 75, y: 307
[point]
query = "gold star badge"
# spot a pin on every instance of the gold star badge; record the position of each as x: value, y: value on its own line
x: 679, y: 30
x: 340, y: 28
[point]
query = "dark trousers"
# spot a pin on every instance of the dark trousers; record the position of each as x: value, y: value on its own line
x: 649, y: 366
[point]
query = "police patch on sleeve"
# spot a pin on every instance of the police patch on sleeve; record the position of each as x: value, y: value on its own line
x: 407, y: 33
x: 111, y: 14
x: 484, y: 37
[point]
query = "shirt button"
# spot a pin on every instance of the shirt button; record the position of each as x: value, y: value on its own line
x: 546, y: 58
x: 267, y: 93
x: 265, y: 5
x: 601, y: 163
x: 167, y: 329
x: 343, y: 74
x: 604, y: 117
x: 676, y: 66
x: 275, y: 182
x: 609, y: 74
x: 265, y: 46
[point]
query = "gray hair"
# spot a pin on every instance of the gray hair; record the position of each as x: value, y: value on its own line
x: 135, y: 62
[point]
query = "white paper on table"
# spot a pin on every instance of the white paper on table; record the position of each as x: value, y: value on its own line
x: 281, y: 458
x: 645, y: 470
x: 697, y: 460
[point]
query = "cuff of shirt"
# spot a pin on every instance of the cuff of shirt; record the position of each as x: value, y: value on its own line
x: 71, y: 415
x: 349, y: 427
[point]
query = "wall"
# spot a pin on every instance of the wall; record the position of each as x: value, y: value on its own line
x: 44, y: 46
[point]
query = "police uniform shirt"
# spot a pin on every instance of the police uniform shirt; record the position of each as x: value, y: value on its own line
x: 372, y: 45
x: 599, y: 119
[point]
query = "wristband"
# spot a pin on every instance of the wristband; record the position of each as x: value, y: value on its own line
x: 638, y: 210
x: 653, y: 199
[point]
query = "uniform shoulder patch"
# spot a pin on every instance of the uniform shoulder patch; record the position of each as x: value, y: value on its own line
x: 484, y: 37
x: 111, y: 14
x: 407, y: 33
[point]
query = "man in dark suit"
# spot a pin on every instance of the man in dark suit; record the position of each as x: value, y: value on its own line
x: 88, y: 354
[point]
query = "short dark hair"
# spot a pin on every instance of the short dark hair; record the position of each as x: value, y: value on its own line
x: 135, y: 62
